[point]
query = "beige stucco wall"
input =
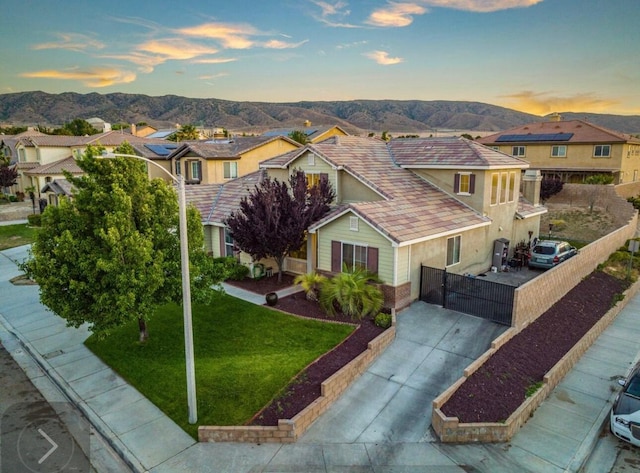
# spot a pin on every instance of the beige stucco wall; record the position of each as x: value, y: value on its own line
x: 625, y: 157
x: 351, y: 190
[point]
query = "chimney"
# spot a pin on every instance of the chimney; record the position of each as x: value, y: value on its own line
x: 133, y: 129
x: 555, y: 117
x: 531, y: 183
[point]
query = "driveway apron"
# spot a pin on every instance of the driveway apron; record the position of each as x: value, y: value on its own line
x: 391, y: 401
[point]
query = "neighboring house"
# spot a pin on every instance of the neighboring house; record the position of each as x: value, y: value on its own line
x: 142, y: 131
x: 399, y: 205
x: 56, y: 190
x: 35, y: 154
x: 211, y: 162
x: 571, y: 150
x: 99, y: 124
x: 42, y: 178
x: 314, y: 134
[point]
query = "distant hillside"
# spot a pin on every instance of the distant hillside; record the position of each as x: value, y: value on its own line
x: 356, y: 116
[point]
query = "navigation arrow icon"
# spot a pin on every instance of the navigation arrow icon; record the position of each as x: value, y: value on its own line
x: 51, y: 450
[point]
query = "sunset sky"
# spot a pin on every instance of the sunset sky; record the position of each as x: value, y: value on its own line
x: 537, y: 56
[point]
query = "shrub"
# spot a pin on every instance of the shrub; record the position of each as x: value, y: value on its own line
x: 13, y: 198
x: 549, y: 187
x: 635, y: 201
x: 233, y: 267
x: 383, y: 320
x: 352, y: 293
x: 34, y: 220
x: 310, y: 283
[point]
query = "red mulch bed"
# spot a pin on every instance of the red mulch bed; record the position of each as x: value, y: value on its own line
x: 498, y: 388
x: 306, y: 388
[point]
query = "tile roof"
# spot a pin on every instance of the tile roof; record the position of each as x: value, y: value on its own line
x: 227, y: 149
x: 582, y: 132
x: 59, y: 186
x: 215, y: 202
x: 411, y: 208
x: 526, y: 209
x: 67, y: 164
x: 109, y: 138
x: 312, y: 132
x: 450, y: 153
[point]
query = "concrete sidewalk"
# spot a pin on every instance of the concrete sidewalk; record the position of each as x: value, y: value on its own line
x: 380, y: 424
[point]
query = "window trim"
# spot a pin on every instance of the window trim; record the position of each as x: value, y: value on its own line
x: 194, y: 169
x: 456, y: 241
x: 461, y: 187
x: 602, y: 148
x: 518, y: 148
x: 372, y: 255
x: 230, y: 166
x: 555, y: 151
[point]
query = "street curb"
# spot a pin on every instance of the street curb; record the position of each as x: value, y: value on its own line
x: 96, y: 422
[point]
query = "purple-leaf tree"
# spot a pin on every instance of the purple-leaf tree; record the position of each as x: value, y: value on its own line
x: 8, y: 175
x: 273, y: 219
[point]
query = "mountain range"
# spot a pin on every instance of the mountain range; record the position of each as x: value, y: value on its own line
x: 355, y: 116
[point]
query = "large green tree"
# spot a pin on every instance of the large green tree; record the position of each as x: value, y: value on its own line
x: 186, y: 132
x: 300, y: 136
x: 77, y: 127
x: 111, y: 254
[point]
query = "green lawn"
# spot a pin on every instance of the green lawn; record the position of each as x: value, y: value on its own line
x: 245, y: 355
x: 16, y: 235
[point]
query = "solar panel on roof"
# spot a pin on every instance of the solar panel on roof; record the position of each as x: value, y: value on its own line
x: 160, y: 150
x: 536, y: 137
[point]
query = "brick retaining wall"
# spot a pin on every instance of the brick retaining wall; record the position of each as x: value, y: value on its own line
x: 450, y: 429
x: 532, y: 300
x: 289, y: 430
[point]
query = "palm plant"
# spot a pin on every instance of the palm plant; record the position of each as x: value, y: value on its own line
x: 353, y: 293
x: 311, y: 283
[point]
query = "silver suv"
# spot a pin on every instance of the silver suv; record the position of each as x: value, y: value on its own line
x: 547, y: 254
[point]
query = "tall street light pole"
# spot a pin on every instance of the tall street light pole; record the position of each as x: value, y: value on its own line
x: 186, y: 284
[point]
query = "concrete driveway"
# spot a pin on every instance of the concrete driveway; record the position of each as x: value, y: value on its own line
x: 391, y: 402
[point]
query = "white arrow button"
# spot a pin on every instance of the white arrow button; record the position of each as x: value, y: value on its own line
x: 51, y: 450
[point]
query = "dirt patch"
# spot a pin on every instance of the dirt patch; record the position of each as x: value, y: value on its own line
x: 576, y: 224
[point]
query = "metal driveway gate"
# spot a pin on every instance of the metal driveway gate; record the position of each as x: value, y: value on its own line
x: 467, y: 294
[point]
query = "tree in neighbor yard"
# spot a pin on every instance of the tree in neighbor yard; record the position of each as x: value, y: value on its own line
x: 112, y: 253
x: 273, y: 219
x: 8, y: 174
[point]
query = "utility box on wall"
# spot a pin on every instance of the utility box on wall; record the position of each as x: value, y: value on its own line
x: 500, y: 253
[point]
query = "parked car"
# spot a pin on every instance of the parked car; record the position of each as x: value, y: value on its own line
x: 625, y: 414
x: 549, y: 253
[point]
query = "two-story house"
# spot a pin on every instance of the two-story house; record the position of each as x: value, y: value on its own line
x: 399, y: 205
x: 216, y: 161
x: 571, y: 150
x: 40, y: 158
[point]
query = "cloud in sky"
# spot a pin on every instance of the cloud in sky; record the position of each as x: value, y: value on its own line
x: 543, y: 103
x: 395, y: 15
x: 230, y: 35
x: 72, y: 42
x: 219, y: 60
x: 93, y: 77
x: 382, y: 57
x: 175, y: 48
x: 277, y: 44
x: 333, y: 14
x: 481, y: 6
x: 213, y: 76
